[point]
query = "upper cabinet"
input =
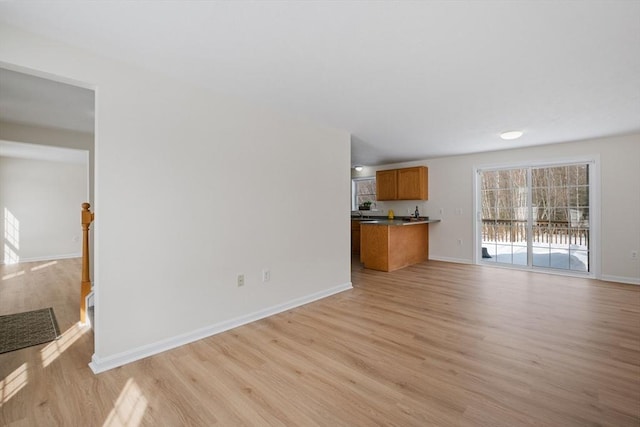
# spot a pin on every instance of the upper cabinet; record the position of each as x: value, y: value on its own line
x: 387, y: 185
x: 413, y: 183
x: 402, y: 184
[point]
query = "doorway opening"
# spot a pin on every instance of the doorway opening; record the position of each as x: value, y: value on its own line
x: 537, y: 217
x: 47, y: 131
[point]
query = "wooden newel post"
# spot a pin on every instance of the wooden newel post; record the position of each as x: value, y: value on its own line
x: 85, y: 285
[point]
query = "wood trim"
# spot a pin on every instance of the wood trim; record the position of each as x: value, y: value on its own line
x: 85, y: 284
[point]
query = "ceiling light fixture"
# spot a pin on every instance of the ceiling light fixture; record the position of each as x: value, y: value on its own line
x: 512, y: 134
x: 358, y: 168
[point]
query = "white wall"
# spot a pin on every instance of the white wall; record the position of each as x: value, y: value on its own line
x: 192, y: 189
x: 451, y: 188
x: 45, y: 198
x: 21, y: 132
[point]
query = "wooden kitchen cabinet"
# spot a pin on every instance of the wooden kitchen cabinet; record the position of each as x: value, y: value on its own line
x: 391, y: 247
x: 402, y: 184
x: 387, y: 185
x: 412, y: 183
x: 355, y: 236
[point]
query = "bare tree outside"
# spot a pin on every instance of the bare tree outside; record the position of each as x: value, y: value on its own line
x: 557, y: 199
x: 365, y: 191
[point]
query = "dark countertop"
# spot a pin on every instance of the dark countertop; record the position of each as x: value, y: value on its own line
x: 397, y: 222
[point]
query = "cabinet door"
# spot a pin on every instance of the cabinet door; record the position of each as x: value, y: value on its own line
x: 355, y: 236
x: 412, y: 183
x: 387, y: 185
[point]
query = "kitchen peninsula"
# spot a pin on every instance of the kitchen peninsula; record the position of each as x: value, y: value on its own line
x: 389, y: 245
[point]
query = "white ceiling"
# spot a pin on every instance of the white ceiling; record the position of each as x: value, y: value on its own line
x: 23, y: 150
x: 409, y: 80
x: 33, y: 100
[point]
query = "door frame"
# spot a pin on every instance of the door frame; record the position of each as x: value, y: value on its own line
x: 92, y: 153
x: 595, y: 258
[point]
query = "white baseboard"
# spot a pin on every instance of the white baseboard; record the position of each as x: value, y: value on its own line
x: 620, y: 279
x: 47, y: 258
x: 605, y: 277
x: 99, y: 364
x: 447, y: 259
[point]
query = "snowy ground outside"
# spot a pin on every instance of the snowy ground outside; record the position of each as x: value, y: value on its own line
x: 566, y: 257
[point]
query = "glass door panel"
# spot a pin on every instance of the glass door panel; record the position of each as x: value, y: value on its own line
x: 536, y: 216
x: 560, y: 203
x: 504, y: 216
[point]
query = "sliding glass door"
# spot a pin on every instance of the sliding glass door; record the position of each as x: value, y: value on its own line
x: 536, y: 217
x: 505, y: 214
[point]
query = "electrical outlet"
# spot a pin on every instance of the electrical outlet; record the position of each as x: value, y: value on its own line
x: 266, y: 275
x: 240, y: 279
x: 634, y: 255
x: 459, y: 242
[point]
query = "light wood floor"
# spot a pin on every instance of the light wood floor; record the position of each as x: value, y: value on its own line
x: 433, y: 344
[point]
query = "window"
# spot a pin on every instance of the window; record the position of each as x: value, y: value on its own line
x: 362, y: 190
x: 536, y: 216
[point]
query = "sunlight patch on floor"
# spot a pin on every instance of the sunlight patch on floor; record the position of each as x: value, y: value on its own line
x: 36, y: 268
x: 13, y: 383
x: 129, y: 408
x: 12, y: 275
x: 54, y: 349
x: 45, y: 265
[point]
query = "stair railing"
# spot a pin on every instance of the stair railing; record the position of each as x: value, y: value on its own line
x: 85, y: 285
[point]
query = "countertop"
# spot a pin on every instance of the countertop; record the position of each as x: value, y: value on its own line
x: 397, y: 222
